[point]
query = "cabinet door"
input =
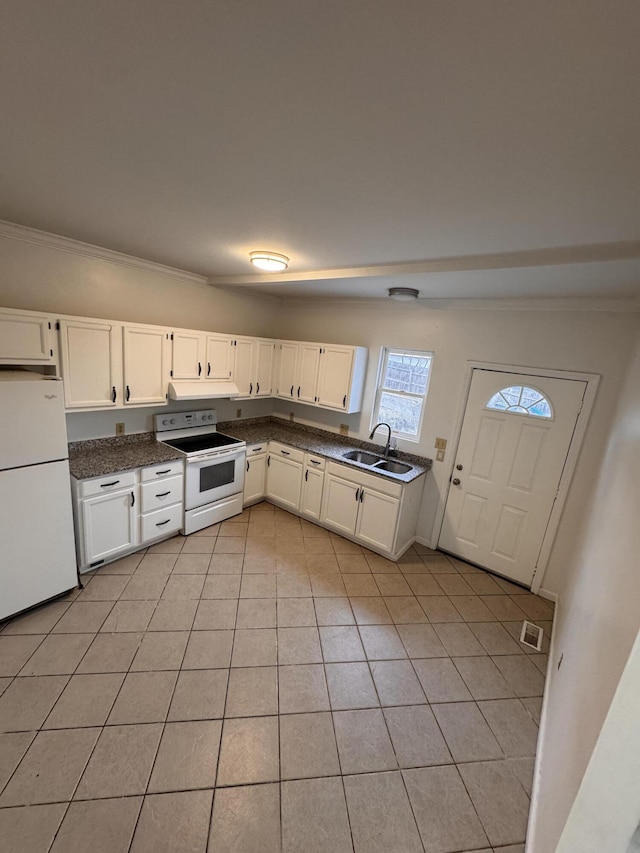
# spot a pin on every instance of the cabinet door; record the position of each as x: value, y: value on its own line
x: 263, y: 352
x: 312, y: 485
x: 309, y: 360
x: 288, y: 370
x: 91, y: 364
x: 187, y: 358
x: 243, y: 366
x: 24, y: 338
x: 146, y: 371
x: 219, y: 357
x: 254, y: 478
x: 334, y: 378
x: 340, y: 504
x: 109, y: 525
x: 377, y: 519
x: 284, y: 480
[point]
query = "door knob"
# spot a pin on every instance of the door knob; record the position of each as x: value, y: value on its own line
x: 456, y: 481
x: 458, y: 467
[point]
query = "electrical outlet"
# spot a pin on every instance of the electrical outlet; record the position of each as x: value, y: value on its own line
x: 290, y: 416
x: 441, y: 444
x: 238, y: 413
x: 440, y: 456
x: 119, y: 429
x: 344, y: 429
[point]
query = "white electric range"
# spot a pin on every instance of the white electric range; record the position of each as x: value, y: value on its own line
x: 215, y: 465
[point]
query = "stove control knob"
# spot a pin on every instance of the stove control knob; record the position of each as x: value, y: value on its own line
x: 204, y: 417
x: 172, y: 421
x: 210, y: 417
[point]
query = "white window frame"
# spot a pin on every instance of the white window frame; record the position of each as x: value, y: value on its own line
x: 382, y: 369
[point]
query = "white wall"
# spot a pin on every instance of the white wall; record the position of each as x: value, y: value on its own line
x: 597, y: 624
x: 597, y: 342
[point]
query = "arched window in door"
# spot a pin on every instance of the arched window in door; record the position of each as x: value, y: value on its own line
x: 521, y: 400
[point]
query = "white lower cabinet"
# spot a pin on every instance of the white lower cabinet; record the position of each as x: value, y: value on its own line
x: 312, y: 487
x: 119, y: 513
x: 255, y: 478
x: 284, y: 475
x: 378, y: 513
x: 109, y: 526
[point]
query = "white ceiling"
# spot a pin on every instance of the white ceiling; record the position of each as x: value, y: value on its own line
x: 343, y: 134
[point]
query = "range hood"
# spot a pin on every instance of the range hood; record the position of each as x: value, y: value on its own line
x: 203, y: 390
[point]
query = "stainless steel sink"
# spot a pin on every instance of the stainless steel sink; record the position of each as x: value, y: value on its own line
x: 362, y: 457
x: 392, y: 467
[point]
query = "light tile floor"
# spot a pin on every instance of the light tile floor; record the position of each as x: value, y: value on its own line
x: 263, y: 685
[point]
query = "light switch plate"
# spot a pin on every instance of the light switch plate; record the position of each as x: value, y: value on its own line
x: 441, y: 444
x: 439, y: 455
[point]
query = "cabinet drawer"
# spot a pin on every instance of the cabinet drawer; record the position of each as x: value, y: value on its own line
x: 161, y: 493
x: 160, y: 522
x: 162, y: 469
x: 314, y: 461
x: 276, y: 449
x: 104, y: 485
x: 253, y: 449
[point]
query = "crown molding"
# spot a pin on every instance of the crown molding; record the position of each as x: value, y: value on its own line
x: 87, y: 250
x: 556, y: 256
x: 623, y: 305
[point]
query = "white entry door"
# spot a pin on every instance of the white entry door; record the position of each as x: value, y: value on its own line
x: 513, y: 445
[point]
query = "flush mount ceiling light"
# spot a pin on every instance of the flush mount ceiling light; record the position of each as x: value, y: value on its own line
x: 403, y: 294
x: 269, y: 261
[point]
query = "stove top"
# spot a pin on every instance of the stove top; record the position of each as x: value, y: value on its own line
x: 200, y: 443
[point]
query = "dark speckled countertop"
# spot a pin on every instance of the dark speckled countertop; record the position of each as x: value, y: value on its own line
x: 99, y: 457
x: 328, y: 444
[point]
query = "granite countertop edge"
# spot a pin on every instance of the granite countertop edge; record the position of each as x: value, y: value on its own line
x: 99, y: 457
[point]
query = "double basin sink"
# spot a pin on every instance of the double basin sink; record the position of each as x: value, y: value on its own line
x: 377, y: 463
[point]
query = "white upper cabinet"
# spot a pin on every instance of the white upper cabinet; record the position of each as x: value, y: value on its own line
x: 308, y: 365
x: 146, y: 365
x: 91, y: 354
x: 25, y: 338
x: 287, y: 370
x: 220, y: 352
x: 188, y: 354
x: 341, y: 377
x: 253, y: 366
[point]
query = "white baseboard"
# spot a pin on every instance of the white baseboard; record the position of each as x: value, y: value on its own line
x: 422, y: 541
x: 546, y: 593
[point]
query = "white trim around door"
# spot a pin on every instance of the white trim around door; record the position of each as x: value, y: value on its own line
x: 591, y: 380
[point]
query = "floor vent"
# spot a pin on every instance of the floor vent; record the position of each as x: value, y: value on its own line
x: 531, y: 635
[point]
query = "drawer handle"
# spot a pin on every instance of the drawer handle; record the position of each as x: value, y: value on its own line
x: 257, y: 449
x: 314, y: 462
x: 357, y: 495
x: 163, y: 494
x: 162, y: 523
x: 168, y: 471
x: 106, y: 485
x: 285, y: 453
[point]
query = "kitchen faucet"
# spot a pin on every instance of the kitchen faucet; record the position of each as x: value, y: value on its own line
x: 386, y: 447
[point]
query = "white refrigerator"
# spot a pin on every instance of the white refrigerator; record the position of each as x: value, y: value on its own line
x: 37, y: 549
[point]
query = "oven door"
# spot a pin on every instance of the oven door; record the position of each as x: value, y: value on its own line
x: 218, y: 475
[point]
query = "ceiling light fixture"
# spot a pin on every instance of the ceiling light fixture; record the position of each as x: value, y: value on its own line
x: 403, y: 294
x: 269, y: 261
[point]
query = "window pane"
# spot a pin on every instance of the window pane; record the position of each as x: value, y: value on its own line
x: 523, y: 400
x: 401, y: 413
x: 407, y: 373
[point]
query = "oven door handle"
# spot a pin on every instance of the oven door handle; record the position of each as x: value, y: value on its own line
x: 213, y: 456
